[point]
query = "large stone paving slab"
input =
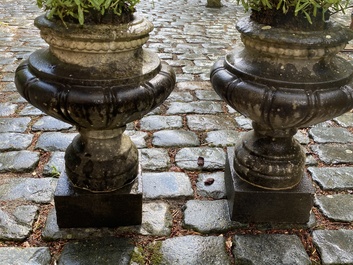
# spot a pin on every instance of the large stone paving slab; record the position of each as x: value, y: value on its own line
x: 211, y: 185
x: 200, y: 107
x: 267, y: 249
x: 55, y: 141
x: 154, y: 159
x: 18, y: 161
x: 17, y: 224
x: 40, y: 190
x: 208, y: 216
x: 17, y: 125
x: 178, y: 138
x: 48, y: 123
x: 105, y: 251
x: 14, y: 141
x: 166, y: 185
x: 211, y: 122
x: 334, y: 154
x: 201, y: 158
x: 331, y: 135
x: 338, y: 207
x: 25, y: 256
x: 333, y: 178
x: 223, y: 137
x: 194, y: 250
x: 158, y: 122
x: 335, y: 246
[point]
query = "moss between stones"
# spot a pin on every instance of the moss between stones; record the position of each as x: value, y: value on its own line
x: 151, y: 253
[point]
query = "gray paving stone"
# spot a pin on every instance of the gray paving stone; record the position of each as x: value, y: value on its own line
x: 267, y: 249
x: 48, y: 123
x: 179, y: 138
x: 17, y: 225
x: 223, y: 137
x: 334, y: 154
x: 211, y: 122
x: 331, y: 135
x: 29, y: 189
x: 200, y: 107
x: 138, y: 138
x: 208, y: 216
x: 14, y: 141
x: 16, y: 125
x: 302, y: 137
x: 156, y: 219
x: 30, y: 110
x: 18, y: 161
x: 189, y: 158
x: 25, y: 256
x: 335, y: 246
x: 345, y: 120
x: 158, y: 122
x: 105, y: 251
x: 244, y: 123
x: 166, y: 185
x: 182, y: 96
x: 333, y: 178
x: 7, y: 109
x: 154, y: 159
x: 54, y: 141
x: 337, y: 207
x: 193, y: 85
x: 55, y: 165
x: 211, y: 185
x: 194, y: 250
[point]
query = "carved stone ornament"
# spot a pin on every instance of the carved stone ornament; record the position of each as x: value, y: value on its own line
x: 282, y: 80
x: 98, y: 78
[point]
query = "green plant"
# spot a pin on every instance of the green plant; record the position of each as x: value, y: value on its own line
x: 77, y: 10
x: 307, y: 7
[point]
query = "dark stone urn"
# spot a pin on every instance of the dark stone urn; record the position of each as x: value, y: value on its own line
x: 283, y: 79
x: 98, y: 78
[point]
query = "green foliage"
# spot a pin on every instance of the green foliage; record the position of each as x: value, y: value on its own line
x: 77, y: 9
x: 54, y: 172
x: 307, y: 7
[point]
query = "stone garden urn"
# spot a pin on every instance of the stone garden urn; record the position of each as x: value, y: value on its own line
x: 98, y: 78
x: 283, y: 79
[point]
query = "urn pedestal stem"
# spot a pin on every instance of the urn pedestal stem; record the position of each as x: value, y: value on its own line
x: 282, y: 80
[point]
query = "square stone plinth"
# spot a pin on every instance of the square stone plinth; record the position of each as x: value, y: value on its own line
x: 249, y: 204
x: 79, y: 208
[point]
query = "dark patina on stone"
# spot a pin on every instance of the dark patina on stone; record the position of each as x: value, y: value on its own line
x: 249, y: 204
x: 79, y: 208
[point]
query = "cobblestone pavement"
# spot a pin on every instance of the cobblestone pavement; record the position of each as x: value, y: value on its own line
x: 185, y: 221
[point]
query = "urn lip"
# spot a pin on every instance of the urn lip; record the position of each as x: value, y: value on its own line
x: 138, y: 28
x: 333, y: 35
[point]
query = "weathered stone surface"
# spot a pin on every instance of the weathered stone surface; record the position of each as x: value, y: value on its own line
x: 195, y: 107
x: 223, y: 137
x: 195, y: 250
x: 335, y: 246
x: 183, y: 96
x: 7, y: 109
x: 48, y: 123
x: 22, y: 256
x: 207, y: 95
x: 334, y: 154
x: 16, y: 125
x: 105, y: 251
x: 158, y: 122
x: 268, y: 249
x: 55, y: 165
x: 17, y: 225
x: 31, y: 110
x: 211, y: 185
x: 138, y: 138
x: 197, y: 158
x: 345, y: 120
x: 154, y: 159
x: 211, y: 122
x: 197, y: 216
x: 166, y: 185
x: 179, y: 138
x: 337, y: 207
x: 55, y: 141
x: 333, y: 178
x: 14, y: 141
x: 244, y: 123
x: 156, y: 219
x: 331, y: 135
x: 18, y: 161
x: 302, y: 137
x: 29, y: 189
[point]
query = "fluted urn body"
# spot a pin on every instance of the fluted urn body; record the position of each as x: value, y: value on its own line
x: 283, y: 79
x: 98, y: 78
